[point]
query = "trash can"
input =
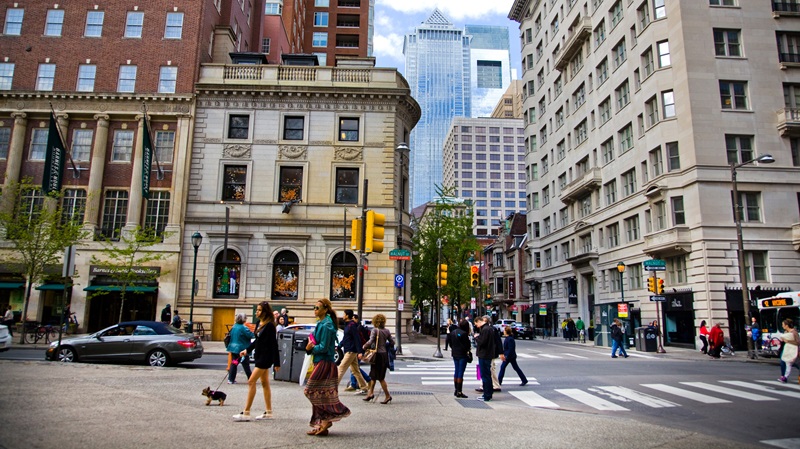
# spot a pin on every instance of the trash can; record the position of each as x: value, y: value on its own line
x: 285, y: 353
x: 639, y: 338
x: 299, y: 343
x: 646, y: 339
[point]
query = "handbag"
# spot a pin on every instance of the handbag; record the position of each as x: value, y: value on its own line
x: 469, y: 356
x: 227, y: 339
x: 370, y: 354
x: 306, y: 369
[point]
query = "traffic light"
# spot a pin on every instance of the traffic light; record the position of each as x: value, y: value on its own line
x: 660, y: 287
x: 355, y: 234
x: 473, y: 276
x: 651, y: 285
x: 374, y: 230
x: 442, y: 275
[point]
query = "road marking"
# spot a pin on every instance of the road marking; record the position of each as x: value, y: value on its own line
x: 786, y: 443
x: 591, y: 400
x: 729, y: 391
x: 642, y: 398
x: 775, y: 382
x: 533, y: 399
x: 791, y: 394
x: 550, y: 356
x: 699, y: 397
x: 576, y: 356
x: 526, y: 356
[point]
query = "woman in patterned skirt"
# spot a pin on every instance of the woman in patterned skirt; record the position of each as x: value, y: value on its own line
x: 323, y: 386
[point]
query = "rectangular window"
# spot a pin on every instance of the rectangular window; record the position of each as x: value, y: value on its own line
x: 320, y: 19
x: 632, y: 228
x: 651, y: 109
x: 54, y: 22
x: 490, y: 74
x: 643, y: 15
x: 615, y: 13
x: 165, y: 146
x: 608, y: 150
x: 115, y: 214
x: 678, y: 212
x: 94, y: 24
x: 739, y: 148
x: 602, y: 71
x: 13, y: 26
x: 319, y: 40
x: 628, y: 183
x: 733, y: 94
x: 46, y: 77
x: 32, y: 202
x: 756, y: 263
x: 291, y: 187
x: 722, y: 2
x: 123, y: 146
x: 661, y: 215
x: 322, y: 3
x: 238, y: 126
x: 127, y: 78
x: 625, y: 136
x: 174, y: 28
x: 6, y: 75
x: 659, y: 10
x: 605, y: 110
x: 788, y: 46
x: 664, y: 59
x: 293, y: 128
x: 346, y: 186
x: 668, y: 103
x: 82, y: 144
x: 648, y: 65
x: 348, y: 129
x: 86, y: 76
x: 613, y: 235
x: 73, y: 206
x: 727, y: 42
x: 673, y: 156
x: 619, y: 53
x: 272, y: 9
x: 623, y: 95
x: 749, y: 207
x: 611, y: 192
x: 38, y: 144
x: 5, y: 142
x: 265, y: 43
x: 234, y: 183
x: 600, y: 34
x: 157, y: 212
x: 133, y: 24
x: 167, y: 79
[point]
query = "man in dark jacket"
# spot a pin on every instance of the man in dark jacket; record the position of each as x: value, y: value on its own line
x: 485, y: 353
x: 351, y: 346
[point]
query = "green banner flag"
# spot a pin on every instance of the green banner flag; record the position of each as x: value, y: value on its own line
x: 147, y: 160
x: 56, y: 153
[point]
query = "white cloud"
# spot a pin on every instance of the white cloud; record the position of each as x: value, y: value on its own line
x: 455, y: 10
x: 388, y: 50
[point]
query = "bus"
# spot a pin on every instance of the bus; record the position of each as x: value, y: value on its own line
x: 773, y: 311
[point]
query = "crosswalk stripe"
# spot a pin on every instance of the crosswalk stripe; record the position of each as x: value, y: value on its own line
x: 642, y: 398
x: 729, y: 391
x: 775, y: 382
x: 699, y: 397
x: 550, y: 356
x: 450, y: 382
x: 786, y: 443
x: 526, y: 356
x: 534, y: 399
x: 576, y: 356
x: 791, y: 394
x: 591, y: 400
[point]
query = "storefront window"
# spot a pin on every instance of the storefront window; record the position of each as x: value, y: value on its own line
x: 343, y: 276
x: 284, y: 275
x: 227, y: 274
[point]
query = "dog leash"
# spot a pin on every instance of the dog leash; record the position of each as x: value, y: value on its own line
x: 225, y: 377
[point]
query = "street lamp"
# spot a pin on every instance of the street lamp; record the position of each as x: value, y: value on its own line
x: 197, y: 239
x: 403, y: 150
x: 765, y: 159
x: 621, y: 269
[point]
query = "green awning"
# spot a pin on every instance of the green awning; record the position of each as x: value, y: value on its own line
x: 118, y: 288
x: 11, y: 285
x: 50, y: 287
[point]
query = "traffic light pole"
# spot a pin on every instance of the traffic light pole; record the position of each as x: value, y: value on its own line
x: 660, y: 349
x: 362, y: 257
x: 438, y: 353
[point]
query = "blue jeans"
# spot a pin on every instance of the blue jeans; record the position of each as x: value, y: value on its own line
x: 618, y: 345
x: 244, y: 361
x: 354, y: 382
x: 485, y: 366
x: 516, y: 367
x: 460, y: 365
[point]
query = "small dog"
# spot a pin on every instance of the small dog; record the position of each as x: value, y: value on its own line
x: 213, y: 395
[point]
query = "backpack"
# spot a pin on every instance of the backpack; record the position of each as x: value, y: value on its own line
x: 363, y: 333
x: 498, y: 343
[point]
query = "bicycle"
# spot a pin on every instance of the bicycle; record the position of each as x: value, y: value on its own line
x: 770, y: 346
x: 38, y: 332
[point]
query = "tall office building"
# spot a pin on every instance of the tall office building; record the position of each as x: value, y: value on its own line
x: 490, y: 66
x: 636, y: 113
x: 437, y: 70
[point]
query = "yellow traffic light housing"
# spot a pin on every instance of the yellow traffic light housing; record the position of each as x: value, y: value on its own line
x: 375, y: 231
x: 355, y: 234
x: 473, y: 276
x: 651, y: 285
x: 660, y: 289
x: 442, y: 275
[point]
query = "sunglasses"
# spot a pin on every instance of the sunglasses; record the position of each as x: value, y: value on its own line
x: 317, y: 307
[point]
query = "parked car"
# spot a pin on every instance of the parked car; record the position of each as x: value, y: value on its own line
x: 523, y: 331
x: 310, y: 327
x: 151, y: 342
x: 5, y: 338
x: 502, y: 324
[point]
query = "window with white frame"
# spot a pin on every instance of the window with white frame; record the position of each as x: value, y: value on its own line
x: 722, y: 2
x: 165, y: 146
x: 86, y: 77
x: 273, y: 8
x: 46, y: 77
x: 677, y: 272
x: 585, y: 206
x: 632, y: 228
x: 133, y: 24
x: 157, y: 211
x: 320, y: 19
x: 615, y: 13
x: 123, y: 146
x: 678, y: 211
x: 612, y: 235
x: 38, y: 144
x: 749, y: 207
x: 115, y: 214
x: 54, y: 22
x: 659, y: 9
x: 319, y: 39
x: 32, y: 202
x: 668, y: 104
x: 13, y: 25
x: 167, y: 79
x: 733, y: 94
x: 643, y: 16
x: 660, y: 210
x: 94, y: 24
x: 6, y: 75
x: 664, y: 58
x: 174, y: 27
x: 605, y: 110
x: 82, y: 144
x: 127, y: 78
x: 265, y: 43
x: 73, y: 206
x: 727, y: 42
x: 739, y: 148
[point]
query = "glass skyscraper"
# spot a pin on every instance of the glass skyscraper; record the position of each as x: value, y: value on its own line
x: 438, y: 72
x: 490, y: 66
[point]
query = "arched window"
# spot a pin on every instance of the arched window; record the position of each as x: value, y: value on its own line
x: 343, y: 276
x: 285, y: 268
x: 227, y: 274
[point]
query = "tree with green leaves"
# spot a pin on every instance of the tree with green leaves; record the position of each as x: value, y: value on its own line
x: 37, y: 231
x: 449, y: 221
x: 122, y: 261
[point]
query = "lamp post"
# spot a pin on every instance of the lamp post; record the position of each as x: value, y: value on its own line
x: 621, y: 269
x: 197, y: 239
x: 403, y: 150
x: 737, y: 219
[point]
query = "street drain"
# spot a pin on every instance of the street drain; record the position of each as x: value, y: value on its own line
x: 412, y: 393
x: 474, y: 404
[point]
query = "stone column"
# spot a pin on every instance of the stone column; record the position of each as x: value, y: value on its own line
x: 95, y: 193
x: 135, y: 195
x: 16, y: 151
x: 181, y: 166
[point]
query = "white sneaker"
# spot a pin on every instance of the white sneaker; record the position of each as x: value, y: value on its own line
x: 265, y: 415
x: 360, y: 392
x: 241, y: 417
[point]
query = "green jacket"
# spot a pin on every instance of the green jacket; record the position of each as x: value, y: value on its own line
x: 325, y: 334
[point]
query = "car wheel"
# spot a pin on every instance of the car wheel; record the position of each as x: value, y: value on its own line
x: 66, y: 354
x: 157, y: 357
x: 338, y: 356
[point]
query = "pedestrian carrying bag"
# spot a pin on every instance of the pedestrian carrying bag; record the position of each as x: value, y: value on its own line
x: 227, y: 339
x: 469, y: 356
x: 306, y: 369
x: 370, y: 354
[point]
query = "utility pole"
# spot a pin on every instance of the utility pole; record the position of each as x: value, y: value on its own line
x: 362, y: 257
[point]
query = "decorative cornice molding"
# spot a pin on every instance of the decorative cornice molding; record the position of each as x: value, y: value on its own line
x: 292, y: 152
x: 237, y: 151
x: 348, y: 154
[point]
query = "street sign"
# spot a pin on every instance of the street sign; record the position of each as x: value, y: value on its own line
x: 399, y: 254
x: 472, y: 303
x: 655, y: 265
x: 400, y: 303
x: 398, y: 281
x: 658, y: 298
x: 622, y: 310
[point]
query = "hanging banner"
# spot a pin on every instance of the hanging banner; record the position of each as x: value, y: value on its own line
x: 54, y: 159
x: 147, y: 160
x: 542, y: 309
x: 622, y: 310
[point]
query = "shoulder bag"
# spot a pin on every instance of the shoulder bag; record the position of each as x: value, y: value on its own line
x: 370, y: 354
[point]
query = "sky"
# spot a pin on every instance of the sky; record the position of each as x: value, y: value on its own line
x: 396, y: 18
